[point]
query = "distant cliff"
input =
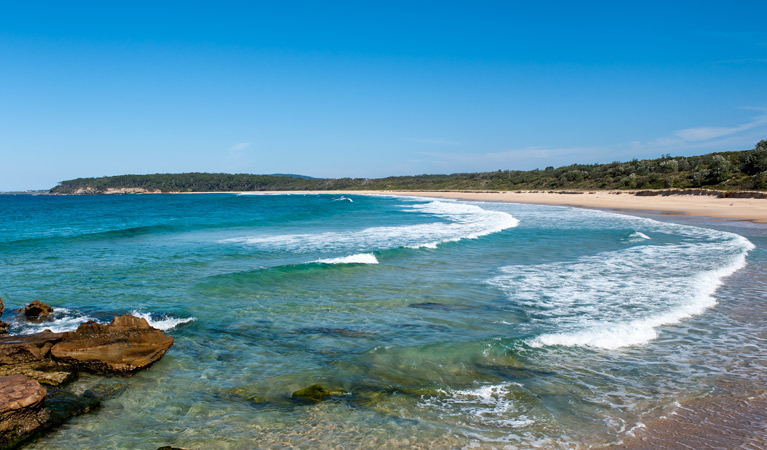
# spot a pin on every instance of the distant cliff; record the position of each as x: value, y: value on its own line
x: 731, y: 171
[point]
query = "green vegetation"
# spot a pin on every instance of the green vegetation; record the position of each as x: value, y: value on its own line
x: 738, y: 170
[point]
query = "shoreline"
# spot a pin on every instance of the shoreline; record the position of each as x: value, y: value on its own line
x: 751, y: 209
x: 699, y: 420
x: 728, y: 418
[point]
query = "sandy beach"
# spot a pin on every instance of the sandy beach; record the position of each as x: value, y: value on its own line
x: 694, y: 205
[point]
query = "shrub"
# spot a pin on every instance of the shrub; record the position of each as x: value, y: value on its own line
x: 756, y: 160
x: 719, y: 170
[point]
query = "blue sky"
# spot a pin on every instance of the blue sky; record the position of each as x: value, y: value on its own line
x: 371, y: 89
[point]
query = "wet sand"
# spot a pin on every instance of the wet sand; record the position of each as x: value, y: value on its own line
x: 727, y: 420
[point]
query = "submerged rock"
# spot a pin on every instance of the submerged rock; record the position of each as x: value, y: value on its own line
x: 315, y: 393
x: 21, y: 408
x: 124, y: 346
x: 37, y: 310
x: 64, y: 405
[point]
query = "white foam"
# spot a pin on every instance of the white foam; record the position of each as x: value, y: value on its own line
x: 360, y: 258
x: 621, y: 298
x: 461, y: 221
x: 163, y: 323
x: 63, y: 320
x: 490, y: 405
x: 638, y: 236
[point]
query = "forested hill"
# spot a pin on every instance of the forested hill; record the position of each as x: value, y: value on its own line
x: 737, y: 170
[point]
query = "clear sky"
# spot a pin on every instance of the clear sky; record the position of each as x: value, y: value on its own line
x: 370, y: 89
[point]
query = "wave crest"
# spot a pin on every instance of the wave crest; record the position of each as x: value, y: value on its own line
x: 164, y: 322
x: 360, y: 258
x: 461, y: 221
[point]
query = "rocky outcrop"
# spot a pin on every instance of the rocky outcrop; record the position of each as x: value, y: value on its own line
x: 21, y: 408
x: 28, y: 348
x: 124, y: 346
x: 37, y: 309
x: 30, y: 355
x: 46, y: 372
x: 91, y: 190
x: 2, y: 307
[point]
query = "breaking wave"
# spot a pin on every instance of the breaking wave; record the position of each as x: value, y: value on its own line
x: 62, y: 320
x: 620, y: 298
x: 360, y: 258
x: 163, y: 322
x: 460, y: 221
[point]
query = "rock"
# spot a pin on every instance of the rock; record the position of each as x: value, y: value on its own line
x: 4, y: 327
x: 28, y: 348
x: 124, y: 346
x: 2, y: 307
x: 64, y: 405
x: 21, y: 409
x: 37, y: 309
x: 44, y: 372
x: 315, y: 393
x: 168, y: 447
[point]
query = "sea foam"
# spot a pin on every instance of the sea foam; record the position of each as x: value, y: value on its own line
x: 68, y: 320
x: 164, y: 322
x: 459, y: 221
x: 62, y: 320
x: 491, y: 411
x: 621, y: 298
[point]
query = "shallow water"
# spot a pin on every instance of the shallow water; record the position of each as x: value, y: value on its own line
x: 449, y: 324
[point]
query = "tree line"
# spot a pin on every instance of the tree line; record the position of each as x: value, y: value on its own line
x: 736, y: 170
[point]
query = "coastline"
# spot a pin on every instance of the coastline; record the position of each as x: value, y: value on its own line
x: 693, y: 419
x: 752, y: 209
x: 734, y: 416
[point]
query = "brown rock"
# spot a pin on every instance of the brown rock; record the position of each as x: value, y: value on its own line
x: 4, y: 327
x: 2, y: 307
x: 21, y: 408
x: 124, y: 346
x: 37, y: 309
x: 44, y: 372
x: 28, y: 347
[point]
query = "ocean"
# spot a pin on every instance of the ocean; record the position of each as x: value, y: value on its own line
x: 442, y: 324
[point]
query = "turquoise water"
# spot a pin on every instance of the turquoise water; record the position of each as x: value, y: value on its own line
x: 448, y: 324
